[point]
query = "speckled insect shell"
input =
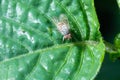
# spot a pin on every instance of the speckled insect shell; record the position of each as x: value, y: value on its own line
x: 63, y: 26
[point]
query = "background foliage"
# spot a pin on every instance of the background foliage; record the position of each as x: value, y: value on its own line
x: 109, y: 18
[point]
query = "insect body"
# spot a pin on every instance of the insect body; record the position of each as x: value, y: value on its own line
x: 63, y: 26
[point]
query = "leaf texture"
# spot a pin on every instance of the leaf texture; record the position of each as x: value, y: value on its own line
x: 31, y: 47
x: 78, y: 61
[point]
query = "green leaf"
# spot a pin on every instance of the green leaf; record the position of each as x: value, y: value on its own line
x: 32, y: 48
x: 117, y: 46
x: 113, y: 49
x: 76, y: 61
x: 117, y: 41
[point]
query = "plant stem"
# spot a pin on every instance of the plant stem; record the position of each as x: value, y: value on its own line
x: 110, y: 48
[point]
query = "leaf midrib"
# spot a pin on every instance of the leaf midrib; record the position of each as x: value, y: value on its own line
x: 52, y: 48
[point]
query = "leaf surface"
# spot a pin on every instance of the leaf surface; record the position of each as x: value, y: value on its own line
x: 31, y: 47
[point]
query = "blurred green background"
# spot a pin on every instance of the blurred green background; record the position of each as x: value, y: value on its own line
x: 109, y: 17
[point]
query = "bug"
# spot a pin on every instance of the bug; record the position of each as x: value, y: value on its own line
x: 63, y: 26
